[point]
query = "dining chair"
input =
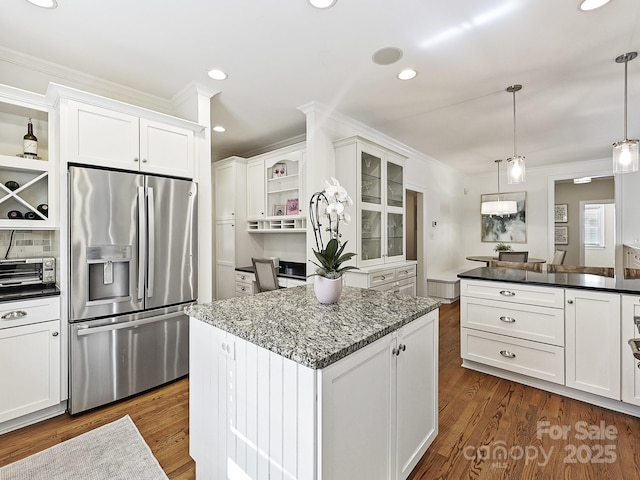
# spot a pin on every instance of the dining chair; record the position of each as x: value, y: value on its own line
x: 602, y: 271
x: 513, y: 256
x: 558, y: 257
x: 530, y: 266
x: 265, y: 271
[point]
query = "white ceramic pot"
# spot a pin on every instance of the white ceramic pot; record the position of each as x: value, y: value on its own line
x: 327, y: 290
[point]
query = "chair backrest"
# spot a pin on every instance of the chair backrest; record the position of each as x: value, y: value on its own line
x: 558, y: 257
x: 602, y: 271
x: 532, y: 267
x: 513, y: 256
x: 266, y: 276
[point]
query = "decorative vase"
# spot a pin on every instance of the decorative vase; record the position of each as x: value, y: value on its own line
x: 327, y: 290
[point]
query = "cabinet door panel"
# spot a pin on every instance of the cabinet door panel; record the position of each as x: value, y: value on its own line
x: 29, y: 368
x: 593, y: 342
x: 630, y: 365
x: 225, y: 182
x: 98, y: 136
x: 255, y: 190
x: 417, y: 387
x: 165, y: 149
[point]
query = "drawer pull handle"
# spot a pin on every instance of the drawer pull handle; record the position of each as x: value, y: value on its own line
x: 508, y: 319
x: 507, y: 293
x: 14, y: 314
x: 55, y: 334
x: 383, y: 277
x: 507, y: 354
x: 570, y: 302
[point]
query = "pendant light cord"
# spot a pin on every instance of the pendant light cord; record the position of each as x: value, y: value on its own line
x: 626, y: 63
x: 515, y: 154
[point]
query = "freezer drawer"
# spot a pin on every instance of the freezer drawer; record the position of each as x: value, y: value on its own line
x: 115, y: 358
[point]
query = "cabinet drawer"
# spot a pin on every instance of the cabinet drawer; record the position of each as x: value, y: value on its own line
x: 514, y: 293
x: 397, y: 287
x: 405, y: 272
x: 245, y: 277
x: 243, y: 289
x: 534, y: 359
x: 529, y: 322
x: 25, y: 312
x: 381, y: 277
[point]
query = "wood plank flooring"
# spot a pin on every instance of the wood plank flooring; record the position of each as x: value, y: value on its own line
x: 488, y: 428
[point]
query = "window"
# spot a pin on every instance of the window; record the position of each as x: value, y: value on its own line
x: 594, y: 226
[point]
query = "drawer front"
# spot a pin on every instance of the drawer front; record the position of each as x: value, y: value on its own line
x: 381, y: 277
x: 406, y: 286
x: 539, y: 324
x: 405, y: 272
x: 245, y: 277
x: 25, y: 312
x: 514, y: 293
x: 243, y: 289
x: 534, y: 359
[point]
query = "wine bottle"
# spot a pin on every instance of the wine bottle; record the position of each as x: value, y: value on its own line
x: 30, y: 143
x: 30, y: 216
x: 43, y: 208
x: 13, y: 214
x: 11, y: 185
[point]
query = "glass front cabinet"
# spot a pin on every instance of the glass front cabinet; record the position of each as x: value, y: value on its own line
x: 374, y: 177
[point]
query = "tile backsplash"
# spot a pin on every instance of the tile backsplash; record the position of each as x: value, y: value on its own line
x: 26, y: 244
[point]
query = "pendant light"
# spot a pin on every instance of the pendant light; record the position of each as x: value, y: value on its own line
x: 625, y: 152
x: 515, y: 164
x: 499, y: 207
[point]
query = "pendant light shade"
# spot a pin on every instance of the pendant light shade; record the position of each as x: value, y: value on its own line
x: 626, y: 154
x: 515, y: 164
x: 498, y: 207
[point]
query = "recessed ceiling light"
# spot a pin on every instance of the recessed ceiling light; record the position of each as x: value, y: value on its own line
x: 219, y: 128
x: 387, y: 56
x: 217, y: 74
x: 44, y: 3
x: 322, y: 3
x: 407, y: 74
x: 592, y: 4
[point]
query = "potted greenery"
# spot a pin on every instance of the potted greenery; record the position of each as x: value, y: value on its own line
x: 502, y: 247
x: 329, y: 205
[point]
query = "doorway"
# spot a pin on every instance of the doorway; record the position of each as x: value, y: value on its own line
x: 597, y: 233
x: 414, y: 215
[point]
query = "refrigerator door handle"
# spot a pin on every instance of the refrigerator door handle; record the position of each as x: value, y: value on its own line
x: 152, y: 240
x: 142, y: 242
x: 82, y: 331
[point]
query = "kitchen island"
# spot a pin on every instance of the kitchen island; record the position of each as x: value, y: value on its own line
x: 282, y: 386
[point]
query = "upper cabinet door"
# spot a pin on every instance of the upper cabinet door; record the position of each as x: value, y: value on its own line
x: 225, y: 191
x: 102, y: 137
x: 255, y: 190
x: 166, y: 149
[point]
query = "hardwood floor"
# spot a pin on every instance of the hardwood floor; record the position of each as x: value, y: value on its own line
x: 488, y: 428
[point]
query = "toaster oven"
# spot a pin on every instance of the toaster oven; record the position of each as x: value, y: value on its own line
x: 27, y: 271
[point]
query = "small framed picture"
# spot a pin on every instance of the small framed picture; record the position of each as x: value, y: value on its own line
x: 278, y: 210
x: 560, y: 213
x: 279, y: 170
x: 292, y: 206
x: 561, y: 236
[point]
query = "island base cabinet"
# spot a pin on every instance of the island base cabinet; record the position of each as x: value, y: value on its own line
x: 257, y: 415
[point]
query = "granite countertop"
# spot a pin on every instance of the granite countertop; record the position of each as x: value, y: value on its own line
x: 618, y: 284
x: 292, y: 323
x: 295, y: 270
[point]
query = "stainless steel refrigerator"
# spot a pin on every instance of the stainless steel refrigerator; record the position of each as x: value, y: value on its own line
x: 133, y: 269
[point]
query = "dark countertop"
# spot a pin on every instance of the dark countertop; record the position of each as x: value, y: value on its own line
x: 618, y: 284
x: 286, y: 269
x: 12, y: 294
x: 292, y: 323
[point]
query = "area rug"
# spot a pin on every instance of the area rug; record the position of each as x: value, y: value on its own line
x: 115, y: 451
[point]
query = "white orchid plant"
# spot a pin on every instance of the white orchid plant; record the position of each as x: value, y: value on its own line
x: 329, y: 206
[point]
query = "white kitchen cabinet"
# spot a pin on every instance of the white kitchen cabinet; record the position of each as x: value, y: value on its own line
x: 275, y: 193
x: 115, y: 139
x: 397, y: 278
x: 234, y: 246
x: 29, y: 356
x: 593, y: 342
x: 630, y: 366
x: 515, y: 327
x: 35, y: 176
x: 374, y: 176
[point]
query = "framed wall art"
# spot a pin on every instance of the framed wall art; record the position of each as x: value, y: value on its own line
x: 510, y: 228
x: 561, y: 235
x: 561, y: 213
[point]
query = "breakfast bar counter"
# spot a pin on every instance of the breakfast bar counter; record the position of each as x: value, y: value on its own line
x: 282, y: 386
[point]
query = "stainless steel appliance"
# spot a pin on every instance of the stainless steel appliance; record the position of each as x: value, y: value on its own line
x: 133, y: 269
x: 27, y: 271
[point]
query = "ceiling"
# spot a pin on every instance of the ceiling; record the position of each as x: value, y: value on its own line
x: 282, y: 54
